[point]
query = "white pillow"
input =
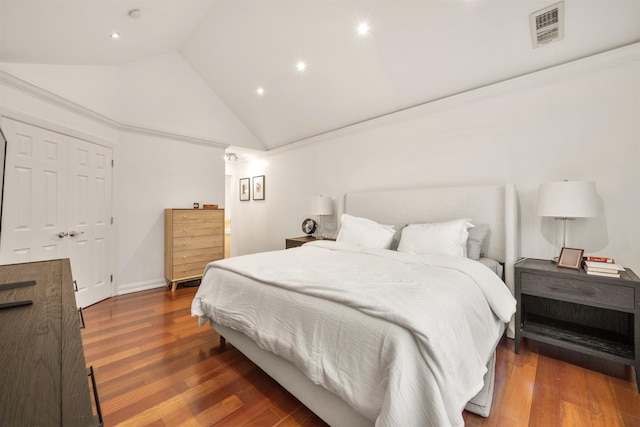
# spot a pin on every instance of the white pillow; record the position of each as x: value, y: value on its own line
x: 475, y: 241
x: 443, y: 238
x: 364, y: 232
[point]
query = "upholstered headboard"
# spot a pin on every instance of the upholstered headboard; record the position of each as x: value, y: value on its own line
x: 494, y: 205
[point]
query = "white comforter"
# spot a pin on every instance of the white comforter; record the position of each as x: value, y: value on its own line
x: 413, y: 352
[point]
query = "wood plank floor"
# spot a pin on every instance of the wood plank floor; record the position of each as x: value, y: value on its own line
x: 155, y: 366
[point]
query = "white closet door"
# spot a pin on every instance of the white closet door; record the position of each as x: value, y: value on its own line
x: 89, y: 219
x: 35, y: 185
x: 57, y: 204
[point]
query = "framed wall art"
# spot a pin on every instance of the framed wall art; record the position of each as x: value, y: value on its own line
x: 245, y: 189
x: 258, y: 187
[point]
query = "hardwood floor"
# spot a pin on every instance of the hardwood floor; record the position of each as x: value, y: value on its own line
x: 155, y: 366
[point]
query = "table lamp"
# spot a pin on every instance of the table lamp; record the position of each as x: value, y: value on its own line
x: 567, y: 200
x: 321, y: 206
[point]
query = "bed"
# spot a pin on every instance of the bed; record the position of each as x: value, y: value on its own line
x: 355, y: 332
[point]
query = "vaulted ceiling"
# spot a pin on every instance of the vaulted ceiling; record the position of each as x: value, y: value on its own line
x: 415, y: 51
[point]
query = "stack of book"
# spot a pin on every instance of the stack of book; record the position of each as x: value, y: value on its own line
x: 601, y: 266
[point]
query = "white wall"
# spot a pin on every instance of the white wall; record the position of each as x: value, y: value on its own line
x: 161, y: 93
x: 176, y: 99
x: 155, y: 173
x: 95, y: 87
x: 579, y: 121
x: 167, y: 157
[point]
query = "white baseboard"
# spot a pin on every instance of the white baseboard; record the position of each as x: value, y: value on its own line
x: 140, y: 286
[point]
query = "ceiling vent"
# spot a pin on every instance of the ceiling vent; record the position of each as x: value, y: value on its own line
x: 547, y: 25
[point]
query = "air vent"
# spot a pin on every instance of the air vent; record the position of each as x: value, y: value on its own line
x: 547, y: 25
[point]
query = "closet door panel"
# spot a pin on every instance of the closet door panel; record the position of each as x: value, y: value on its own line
x: 35, y: 185
x: 90, y: 219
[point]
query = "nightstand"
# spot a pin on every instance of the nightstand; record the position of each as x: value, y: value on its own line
x: 294, y: 242
x: 593, y: 315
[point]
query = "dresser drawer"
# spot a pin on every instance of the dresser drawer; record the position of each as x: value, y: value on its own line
x: 197, y: 242
x: 195, y: 215
x: 197, y: 255
x: 197, y: 229
x: 580, y: 291
x: 191, y: 269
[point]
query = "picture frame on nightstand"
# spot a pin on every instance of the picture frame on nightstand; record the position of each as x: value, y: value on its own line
x: 570, y: 258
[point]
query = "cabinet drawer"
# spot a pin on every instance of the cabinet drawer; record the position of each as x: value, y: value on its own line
x: 195, y: 216
x: 197, y: 255
x: 578, y: 291
x: 197, y: 242
x: 189, y: 270
x: 197, y: 229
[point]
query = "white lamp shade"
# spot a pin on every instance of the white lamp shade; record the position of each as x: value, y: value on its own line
x: 321, y: 205
x: 568, y: 199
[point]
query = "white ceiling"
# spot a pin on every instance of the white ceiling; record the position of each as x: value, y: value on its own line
x: 417, y: 51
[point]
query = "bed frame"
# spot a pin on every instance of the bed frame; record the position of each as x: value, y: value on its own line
x: 495, y: 205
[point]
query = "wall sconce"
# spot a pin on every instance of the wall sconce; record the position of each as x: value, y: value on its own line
x: 567, y: 200
x: 321, y: 206
x: 230, y: 156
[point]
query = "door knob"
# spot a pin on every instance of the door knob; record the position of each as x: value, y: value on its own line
x: 62, y: 234
x: 75, y: 233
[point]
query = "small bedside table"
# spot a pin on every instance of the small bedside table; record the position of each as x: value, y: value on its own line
x: 294, y: 242
x: 593, y: 315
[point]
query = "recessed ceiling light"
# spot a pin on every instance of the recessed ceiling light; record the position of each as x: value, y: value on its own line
x: 301, y: 66
x: 363, y: 28
x: 115, y: 35
x: 260, y: 91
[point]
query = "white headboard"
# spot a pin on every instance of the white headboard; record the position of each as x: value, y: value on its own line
x: 494, y: 205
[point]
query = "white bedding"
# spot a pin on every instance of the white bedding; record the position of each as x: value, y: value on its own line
x: 424, y: 327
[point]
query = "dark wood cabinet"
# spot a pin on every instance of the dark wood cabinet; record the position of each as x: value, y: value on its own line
x: 43, y: 376
x: 594, y: 315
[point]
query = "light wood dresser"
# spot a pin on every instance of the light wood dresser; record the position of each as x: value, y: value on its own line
x: 192, y: 239
x: 43, y: 376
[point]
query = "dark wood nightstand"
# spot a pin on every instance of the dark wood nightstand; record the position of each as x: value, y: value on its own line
x: 294, y: 242
x: 593, y: 315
